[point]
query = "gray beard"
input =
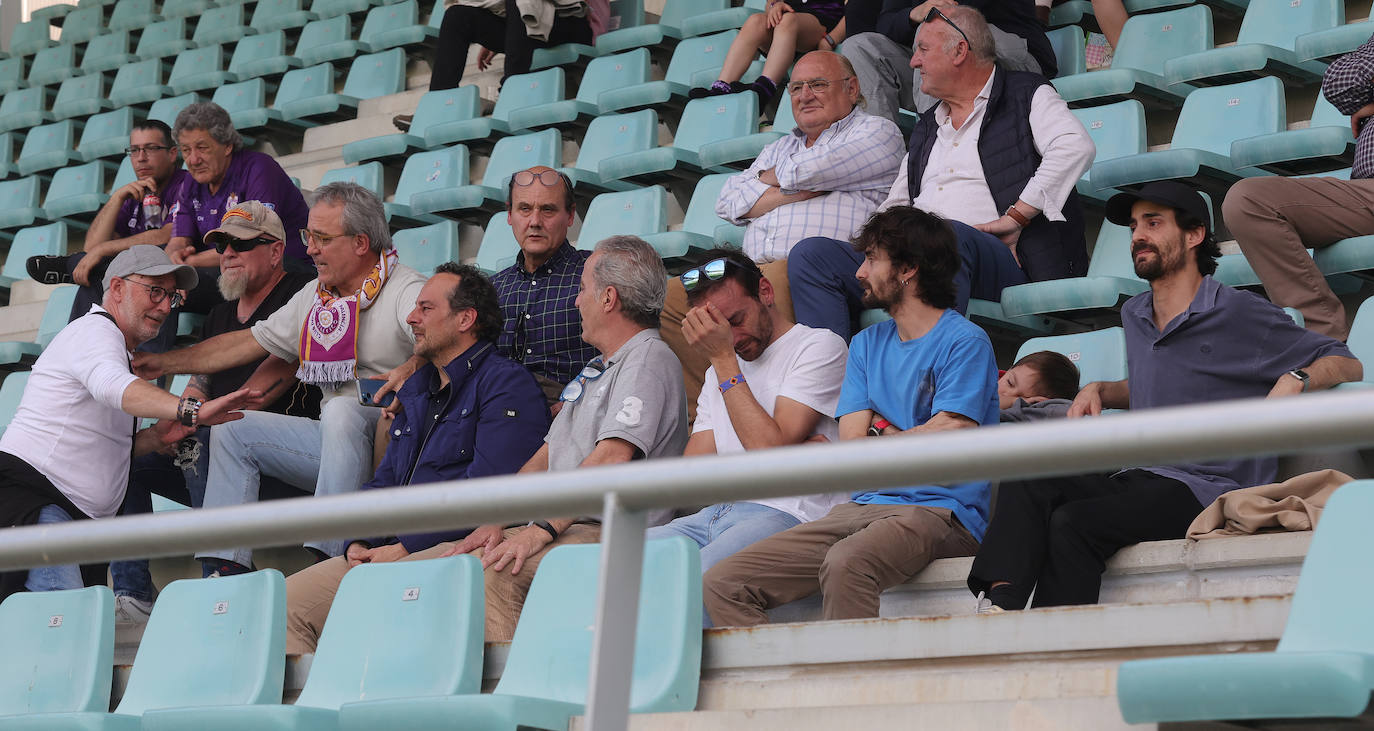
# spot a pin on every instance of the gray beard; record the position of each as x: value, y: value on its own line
x: 232, y: 289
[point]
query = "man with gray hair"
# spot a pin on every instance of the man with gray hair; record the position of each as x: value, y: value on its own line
x: 345, y: 328
x: 224, y: 173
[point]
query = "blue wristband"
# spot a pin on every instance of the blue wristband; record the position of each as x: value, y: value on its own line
x: 730, y: 383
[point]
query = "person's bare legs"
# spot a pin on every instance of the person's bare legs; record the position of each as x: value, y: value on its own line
x: 753, y: 37
x: 794, y: 31
x: 1111, y: 16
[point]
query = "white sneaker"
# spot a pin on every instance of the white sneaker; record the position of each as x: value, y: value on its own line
x: 984, y: 605
x: 129, y: 610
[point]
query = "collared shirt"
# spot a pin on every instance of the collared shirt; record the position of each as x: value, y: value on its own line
x: 1348, y: 86
x: 953, y: 184
x: 854, y: 159
x: 1228, y: 344
x: 132, y: 218
x: 542, y: 328
x: 251, y: 176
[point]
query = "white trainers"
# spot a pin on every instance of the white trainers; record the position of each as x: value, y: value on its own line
x: 984, y: 605
x: 129, y: 610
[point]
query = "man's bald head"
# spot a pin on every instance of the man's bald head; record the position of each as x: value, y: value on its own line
x: 816, y: 110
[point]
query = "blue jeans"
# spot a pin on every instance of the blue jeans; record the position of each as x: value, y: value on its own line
x: 54, y: 578
x: 825, y: 293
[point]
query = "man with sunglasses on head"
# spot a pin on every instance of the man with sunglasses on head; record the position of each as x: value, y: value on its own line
x: 66, y: 453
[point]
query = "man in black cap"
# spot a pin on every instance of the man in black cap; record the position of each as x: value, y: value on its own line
x: 1190, y: 339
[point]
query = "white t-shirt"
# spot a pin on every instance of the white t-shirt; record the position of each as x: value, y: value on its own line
x: 69, y: 425
x: 806, y: 365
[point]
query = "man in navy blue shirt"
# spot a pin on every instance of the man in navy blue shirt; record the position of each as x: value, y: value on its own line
x: 1190, y: 339
x: 468, y: 412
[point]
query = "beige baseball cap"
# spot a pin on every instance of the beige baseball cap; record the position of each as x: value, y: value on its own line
x: 247, y: 220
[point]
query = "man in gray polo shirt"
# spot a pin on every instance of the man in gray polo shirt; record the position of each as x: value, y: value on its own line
x: 1190, y: 339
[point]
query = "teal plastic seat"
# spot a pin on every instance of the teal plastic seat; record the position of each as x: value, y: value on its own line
x: 30, y: 37
x: 431, y: 172
x: 1100, y: 355
x: 18, y: 208
x: 1325, y: 144
x: 185, y: 8
x: 7, y: 144
x: 1264, y: 47
x: 397, y: 25
x: 1355, y: 254
x: 162, y: 39
x: 49, y: 240
x: 273, y: 15
x: 499, y: 247
x: 1080, y: 12
x: 1361, y: 338
x: 1069, y: 45
x: 53, y: 64
x: 1110, y: 281
x: 167, y: 108
x: 668, y: 29
x: 48, y: 147
x: 701, y: 228
x: 1323, y: 667
x: 435, y: 107
x: 624, y: 14
x: 58, y: 646
x: 1137, y: 71
x: 246, y: 103
x: 327, y: 39
x: 262, y: 55
x: 714, y: 131
x: 511, y: 154
x: 76, y: 192
x: 602, y: 75
x: 311, y: 91
x: 107, y: 52
x: 608, y: 136
x: 199, y: 68
x: 543, y: 689
x: 1332, y: 43
x: 1117, y: 130
x: 368, y: 176
x: 426, y: 247
x: 11, y: 74
x: 11, y: 391
x: 84, y: 24
x: 20, y: 354
x: 51, y: 13
x: 1211, y: 119
x: 81, y: 96
x: 132, y: 15
x: 519, y: 91
x: 223, y: 24
x: 693, y: 61
x: 139, y: 83
x: 395, y: 630
x: 25, y: 108
x: 333, y: 8
x: 638, y: 212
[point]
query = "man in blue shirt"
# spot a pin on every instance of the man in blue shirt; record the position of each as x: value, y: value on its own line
x: 1190, y: 339
x: 925, y: 370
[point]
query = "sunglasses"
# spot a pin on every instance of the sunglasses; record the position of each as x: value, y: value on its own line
x: 590, y: 372
x: 935, y: 13
x: 713, y: 271
x: 242, y: 246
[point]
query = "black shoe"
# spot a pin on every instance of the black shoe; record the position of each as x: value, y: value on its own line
x: 48, y: 269
x: 402, y: 121
x: 700, y: 92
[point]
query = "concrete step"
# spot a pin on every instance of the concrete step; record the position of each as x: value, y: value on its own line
x: 20, y: 322
x: 24, y: 291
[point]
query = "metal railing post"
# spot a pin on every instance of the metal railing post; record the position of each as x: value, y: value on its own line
x: 617, y: 616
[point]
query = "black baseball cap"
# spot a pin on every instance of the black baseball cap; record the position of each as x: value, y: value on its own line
x: 1163, y: 192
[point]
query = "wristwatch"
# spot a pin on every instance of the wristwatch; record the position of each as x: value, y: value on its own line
x: 878, y: 426
x: 1301, y: 375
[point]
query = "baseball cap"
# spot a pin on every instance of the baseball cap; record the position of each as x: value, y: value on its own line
x: 150, y: 261
x: 247, y: 220
x: 1163, y: 192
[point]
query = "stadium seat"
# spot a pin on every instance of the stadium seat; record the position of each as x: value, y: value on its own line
x: 1264, y: 46
x: 519, y: 91
x: 185, y: 8
x: 51, y: 13
x: 1099, y: 354
x: 1323, y: 667
x: 1361, y: 339
x: 1332, y: 43
x: 139, y: 84
x: 714, y: 131
x: 262, y: 55
x: 499, y: 247
x: 132, y: 15
x: 370, y: 76
x: 7, y: 143
x: 25, y: 108
x: 53, y: 64
x: 1080, y: 12
x: 510, y: 155
x: 543, y: 689
x: 223, y: 24
x: 1137, y: 71
x: 11, y: 391
x: 397, y: 25
x: 1325, y: 144
x: 701, y: 228
x: 990, y: 316
x: 426, y: 247
x: 1211, y: 119
x: 602, y: 74
x: 328, y: 39
x: 1355, y: 254
x: 16, y: 354
x: 435, y: 107
x: 167, y: 108
x: 1069, y: 49
x: 271, y: 15
x: 667, y: 31
x: 199, y: 68
x: 18, y: 208
x: 48, y: 147
x: 695, y: 62
x: 638, y: 212
x: 49, y: 240
x: 333, y: 8
x: 1110, y: 281
x: 162, y: 39
x: 77, y: 192
x: 58, y: 646
x: 107, y: 53
x: 432, y: 171
x: 1116, y: 130
x: 11, y: 74
x: 84, y: 24
x: 368, y: 176
x: 608, y: 136
x: 30, y: 37
x: 82, y: 96
x: 395, y: 630
x: 246, y: 103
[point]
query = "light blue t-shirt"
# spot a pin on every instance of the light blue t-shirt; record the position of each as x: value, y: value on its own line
x: 951, y: 368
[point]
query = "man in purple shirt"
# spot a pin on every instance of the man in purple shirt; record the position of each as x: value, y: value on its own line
x: 1190, y: 339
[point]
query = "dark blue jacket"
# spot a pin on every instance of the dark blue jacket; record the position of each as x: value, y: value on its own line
x: 494, y: 420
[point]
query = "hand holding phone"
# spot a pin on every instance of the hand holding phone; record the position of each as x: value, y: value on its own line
x: 368, y: 387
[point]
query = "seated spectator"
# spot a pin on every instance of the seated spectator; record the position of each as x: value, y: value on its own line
x: 778, y: 384
x: 784, y: 29
x: 1276, y: 219
x: 925, y: 370
x: 351, y: 320
x: 1041, y: 379
x: 66, y: 453
x: 478, y: 412
x: 251, y: 242
x: 1054, y: 535
x: 822, y: 179
x: 542, y: 328
x: 998, y: 157
x: 882, y: 59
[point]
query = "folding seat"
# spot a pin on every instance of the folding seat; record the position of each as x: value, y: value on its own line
x: 1361, y: 339
x: 220, y: 25
x: 332, y: 8
x: 695, y: 62
x: 397, y: 25
x: 132, y: 15
x: 328, y: 39
x: 262, y: 55
x: 58, y: 645
x: 435, y: 107
x: 638, y: 212
x: 1116, y: 130
x: 53, y: 64
x: 25, y: 108
x: 1069, y: 49
x: 11, y: 74
x: 519, y: 91
x: 714, y: 131
x: 1080, y: 12
x: 1110, y: 281
x: 426, y: 247
x: 18, y: 354
x: 7, y: 143
x: 246, y: 103
x: 165, y: 38
x: 701, y: 228
x: 499, y: 247
x: 139, y: 83
x: 49, y: 240
x: 680, y: 19
x: 51, y: 13
x: 368, y: 176
x: 1325, y: 144
x: 199, y: 68
x: 82, y: 96
x: 603, y: 74
x: 1137, y: 71
x: 608, y: 136
x: 1264, y: 46
x: 1100, y: 355
x: 48, y: 147
x: 11, y: 391
x: 107, y: 52
x: 167, y: 108
x: 370, y: 76
x: 511, y: 154
x: 30, y: 37
x: 1332, y: 43
x: 84, y: 24
x: 77, y: 192
x: 431, y: 172
x: 273, y: 15
x: 185, y: 8
x: 543, y: 689
x: 1352, y: 255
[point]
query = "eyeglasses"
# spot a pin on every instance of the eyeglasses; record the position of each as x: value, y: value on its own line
x: 145, y: 150
x: 547, y: 177
x: 714, y: 271
x: 310, y: 238
x: 817, y: 86
x: 242, y: 246
x: 590, y: 372
x: 935, y: 13
x: 521, y: 336
x: 157, y: 294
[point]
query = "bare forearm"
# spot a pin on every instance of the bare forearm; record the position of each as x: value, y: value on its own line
x: 142, y: 399
x: 775, y: 198
x: 1333, y: 370
x: 943, y: 421
x: 1114, y: 394
x: 214, y: 355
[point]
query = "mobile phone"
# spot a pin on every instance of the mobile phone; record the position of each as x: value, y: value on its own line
x: 368, y: 387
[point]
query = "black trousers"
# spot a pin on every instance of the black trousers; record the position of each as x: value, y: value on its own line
x: 1055, y: 535
x: 462, y: 26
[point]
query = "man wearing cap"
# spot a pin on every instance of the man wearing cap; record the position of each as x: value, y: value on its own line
x: 65, y: 455
x: 1189, y: 340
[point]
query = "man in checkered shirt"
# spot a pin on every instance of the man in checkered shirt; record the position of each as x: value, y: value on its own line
x: 542, y: 329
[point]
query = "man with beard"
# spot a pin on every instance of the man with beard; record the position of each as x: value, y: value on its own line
x: 925, y: 370
x: 1190, y: 339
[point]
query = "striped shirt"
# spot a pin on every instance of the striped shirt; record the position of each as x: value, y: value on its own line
x: 542, y: 328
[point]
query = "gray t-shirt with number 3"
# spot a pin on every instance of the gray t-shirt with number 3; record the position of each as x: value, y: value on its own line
x: 638, y: 398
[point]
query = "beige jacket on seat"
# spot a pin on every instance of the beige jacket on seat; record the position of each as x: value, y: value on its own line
x: 1292, y: 505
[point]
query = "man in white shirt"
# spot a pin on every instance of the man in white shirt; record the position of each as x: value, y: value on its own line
x: 776, y: 384
x: 998, y: 157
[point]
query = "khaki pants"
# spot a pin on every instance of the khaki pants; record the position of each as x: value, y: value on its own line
x: 850, y: 556
x: 310, y: 593
x: 694, y: 364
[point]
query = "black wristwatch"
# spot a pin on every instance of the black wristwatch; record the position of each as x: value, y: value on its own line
x: 1301, y: 375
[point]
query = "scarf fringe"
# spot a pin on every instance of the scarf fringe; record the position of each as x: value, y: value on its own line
x: 330, y: 375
